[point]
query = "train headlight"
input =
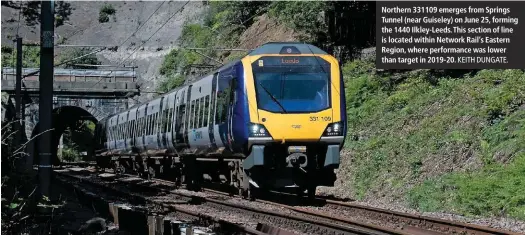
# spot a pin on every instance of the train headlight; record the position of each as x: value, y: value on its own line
x: 334, y: 129
x: 258, y: 130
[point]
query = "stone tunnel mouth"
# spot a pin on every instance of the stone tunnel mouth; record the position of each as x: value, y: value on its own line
x: 63, y: 118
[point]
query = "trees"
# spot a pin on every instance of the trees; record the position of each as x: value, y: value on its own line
x: 30, y: 11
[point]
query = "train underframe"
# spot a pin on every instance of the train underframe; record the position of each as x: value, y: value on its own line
x: 272, y: 166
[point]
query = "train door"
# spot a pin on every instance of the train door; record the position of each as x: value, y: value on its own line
x: 186, y: 122
x: 222, y: 120
x: 161, y: 136
x: 231, y: 113
x: 180, y: 117
x: 170, y: 119
x: 213, y: 108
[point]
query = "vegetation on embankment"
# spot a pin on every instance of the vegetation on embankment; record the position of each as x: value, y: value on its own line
x: 438, y: 142
x: 450, y: 141
x: 223, y: 25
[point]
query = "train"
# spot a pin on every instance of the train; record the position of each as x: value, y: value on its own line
x: 273, y: 119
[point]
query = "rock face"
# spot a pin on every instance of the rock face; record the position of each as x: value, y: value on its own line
x: 83, y: 28
x: 264, y: 30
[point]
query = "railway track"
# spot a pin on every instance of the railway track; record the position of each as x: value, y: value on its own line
x: 290, y: 220
x: 338, y: 212
x: 410, y: 223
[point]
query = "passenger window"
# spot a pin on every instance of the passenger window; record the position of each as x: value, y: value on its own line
x: 192, y: 115
x: 170, y: 124
x: 202, y: 112
x: 165, y: 117
x: 197, y: 113
x: 207, y: 110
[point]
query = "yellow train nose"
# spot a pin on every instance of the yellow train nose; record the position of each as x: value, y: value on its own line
x: 296, y: 127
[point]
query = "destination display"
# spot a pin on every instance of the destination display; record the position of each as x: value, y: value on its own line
x: 450, y: 35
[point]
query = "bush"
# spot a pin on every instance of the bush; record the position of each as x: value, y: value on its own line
x: 70, y: 154
x: 105, y: 12
x: 30, y: 57
x: 77, y: 52
x: 170, y: 83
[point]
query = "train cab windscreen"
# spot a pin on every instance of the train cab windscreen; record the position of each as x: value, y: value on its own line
x: 292, y: 84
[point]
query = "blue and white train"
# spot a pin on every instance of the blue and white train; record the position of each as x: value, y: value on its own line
x: 272, y: 119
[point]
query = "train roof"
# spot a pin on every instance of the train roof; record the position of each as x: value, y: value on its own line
x: 287, y: 48
x: 267, y: 48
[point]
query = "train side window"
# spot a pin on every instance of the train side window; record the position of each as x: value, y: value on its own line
x: 207, y: 110
x: 134, y: 128
x: 192, y: 115
x: 156, y: 129
x: 156, y: 126
x: 202, y: 112
x: 150, y: 123
x: 197, y: 113
x: 144, y: 124
x: 131, y: 129
x: 170, y: 121
x: 137, y: 129
x: 140, y: 130
x: 154, y: 123
x: 164, y: 120
x: 141, y: 126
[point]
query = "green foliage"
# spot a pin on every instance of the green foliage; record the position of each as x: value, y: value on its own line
x: 105, y: 12
x: 31, y: 11
x: 30, y: 57
x: 77, y: 52
x: 70, y: 154
x: 304, y: 16
x: 495, y: 190
x: 222, y: 26
x: 168, y: 65
x: 404, y: 129
x: 170, y: 83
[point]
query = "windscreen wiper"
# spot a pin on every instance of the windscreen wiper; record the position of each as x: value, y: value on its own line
x: 273, y: 97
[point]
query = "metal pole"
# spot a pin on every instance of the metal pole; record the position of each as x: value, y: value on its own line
x: 18, y: 90
x: 47, y: 29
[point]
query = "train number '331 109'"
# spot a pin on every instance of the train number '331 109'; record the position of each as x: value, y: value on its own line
x: 317, y: 119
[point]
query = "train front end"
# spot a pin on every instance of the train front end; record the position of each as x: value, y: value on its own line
x: 297, y: 114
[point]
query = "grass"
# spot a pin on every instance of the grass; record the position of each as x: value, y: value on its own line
x: 454, y: 145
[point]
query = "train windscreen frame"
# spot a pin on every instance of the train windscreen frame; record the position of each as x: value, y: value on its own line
x: 292, y: 84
